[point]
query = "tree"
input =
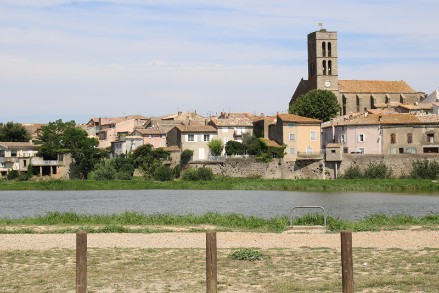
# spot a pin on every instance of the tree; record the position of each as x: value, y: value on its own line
x: 234, y: 148
x: 317, y: 104
x: 64, y: 137
x: 186, y: 156
x: 14, y: 132
x: 149, y: 159
x: 216, y: 147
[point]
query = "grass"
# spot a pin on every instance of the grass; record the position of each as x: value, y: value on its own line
x: 227, y: 183
x: 133, y: 222
x: 183, y: 270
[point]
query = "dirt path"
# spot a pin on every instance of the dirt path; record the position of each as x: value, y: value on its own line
x: 404, y: 239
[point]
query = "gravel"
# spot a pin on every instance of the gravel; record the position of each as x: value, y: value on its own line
x: 403, y: 239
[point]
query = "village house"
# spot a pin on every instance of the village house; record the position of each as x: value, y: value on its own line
x: 301, y: 135
x: 109, y: 130
x: 19, y: 156
x: 233, y: 126
x: 153, y: 136
x: 384, y: 133
x: 192, y: 137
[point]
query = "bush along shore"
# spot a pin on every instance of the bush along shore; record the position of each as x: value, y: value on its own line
x: 227, y: 183
x: 133, y: 222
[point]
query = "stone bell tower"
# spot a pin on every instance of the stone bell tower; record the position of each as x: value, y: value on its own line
x: 323, y: 61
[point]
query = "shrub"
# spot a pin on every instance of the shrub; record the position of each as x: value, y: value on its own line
x: 186, y: 156
x: 190, y: 175
x: 234, y: 148
x: 205, y: 173
x: 12, y: 175
x: 202, y: 173
x: 377, y: 171
x: 247, y: 254
x: 353, y: 172
x: 216, y: 147
x: 163, y: 173
x: 177, y: 171
x: 425, y: 169
x: 103, y: 171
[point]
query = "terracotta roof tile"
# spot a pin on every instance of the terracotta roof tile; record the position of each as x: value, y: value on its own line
x: 196, y: 128
x: 8, y: 145
x: 297, y: 119
x: 374, y: 86
x: 270, y: 142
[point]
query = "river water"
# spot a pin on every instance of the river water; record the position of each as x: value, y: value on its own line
x: 16, y: 204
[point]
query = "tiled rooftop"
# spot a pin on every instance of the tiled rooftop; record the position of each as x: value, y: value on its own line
x: 297, y: 119
x: 374, y: 86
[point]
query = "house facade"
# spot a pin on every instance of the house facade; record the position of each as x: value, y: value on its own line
x: 192, y: 137
x: 384, y: 134
x: 153, y: 136
x: 233, y: 126
x: 301, y: 135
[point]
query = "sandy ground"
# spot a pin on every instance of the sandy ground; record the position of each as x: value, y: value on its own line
x: 402, y: 239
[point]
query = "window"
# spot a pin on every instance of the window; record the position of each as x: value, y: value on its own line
x: 329, y: 49
x: 2, y: 153
x: 13, y: 153
x: 324, y: 67
x: 343, y: 138
x: 393, y: 138
x: 333, y: 152
x: 24, y: 163
x: 410, y: 150
x: 409, y: 138
x: 190, y: 137
x: 292, y: 137
x: 290, y: 125
x: 206, y: 137
x: 313, y: 135
x: 309, y: 150
x: 361, y: 137
x: 346, y: 150
x: 292, y: 151
x: 361, y: 150
x: 324, y: 49
x: 2, y: 165
x: 430, y: 137
x: 329, y: 67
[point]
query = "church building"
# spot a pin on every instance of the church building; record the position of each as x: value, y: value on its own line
x: 353, y: 95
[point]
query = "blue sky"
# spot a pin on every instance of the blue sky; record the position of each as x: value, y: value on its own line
x: 80, y: 59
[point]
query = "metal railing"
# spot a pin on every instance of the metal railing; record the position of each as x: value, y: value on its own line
x: 308, y: 207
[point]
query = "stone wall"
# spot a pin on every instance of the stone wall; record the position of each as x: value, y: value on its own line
x: 277, y: 169
x: 319, y: 169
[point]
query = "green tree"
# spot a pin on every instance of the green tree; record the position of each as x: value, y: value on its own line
x: 148, y: 159
x: 64, y: 137
x: 14, y: 132
x: 185, y: 157
x: 234, y: 148
x: 317, y: 104
x: 216, y: 147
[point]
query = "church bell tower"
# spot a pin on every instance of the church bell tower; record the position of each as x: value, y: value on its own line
x: 323, y: 61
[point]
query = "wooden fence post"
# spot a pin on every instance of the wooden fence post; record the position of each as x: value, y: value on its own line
x: 81, y: 262
x: 347, y: 263
x: 211, y: 262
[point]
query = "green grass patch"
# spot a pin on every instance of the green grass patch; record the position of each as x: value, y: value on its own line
x: 133, y: 222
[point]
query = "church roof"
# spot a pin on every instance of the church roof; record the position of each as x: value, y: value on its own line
x: 374, y: 86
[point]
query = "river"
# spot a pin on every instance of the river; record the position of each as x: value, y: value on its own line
x: 16, y: 204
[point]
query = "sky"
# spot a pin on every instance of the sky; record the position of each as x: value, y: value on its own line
x: 75, y: 60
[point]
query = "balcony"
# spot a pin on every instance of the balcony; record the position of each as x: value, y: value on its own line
x: 36, y: 161
x: 8, y: 159
x: 310, y: 156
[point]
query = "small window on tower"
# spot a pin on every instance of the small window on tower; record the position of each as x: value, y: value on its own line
x: 329, y: 49
x: 324, y: 67
x: 324, y: 49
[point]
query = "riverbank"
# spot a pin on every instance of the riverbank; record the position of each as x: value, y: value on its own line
x: 226, y: 183
x: 132, y: 222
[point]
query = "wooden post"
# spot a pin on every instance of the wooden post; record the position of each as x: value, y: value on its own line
x: 347, y: 263
x: 81, y: 262
x: 211, y: 261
